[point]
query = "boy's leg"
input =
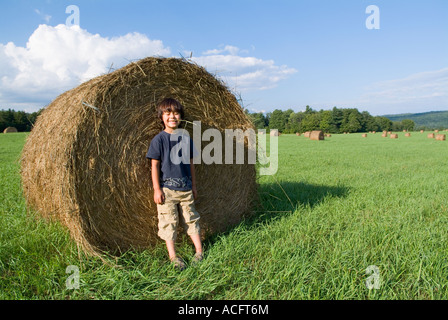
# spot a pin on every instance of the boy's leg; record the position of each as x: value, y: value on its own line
x: 171, y: 249
x: 168, y: 222
x: 191, y: 218
x: 196, y: 238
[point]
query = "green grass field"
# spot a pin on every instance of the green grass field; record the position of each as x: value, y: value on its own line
x: 333, y: 209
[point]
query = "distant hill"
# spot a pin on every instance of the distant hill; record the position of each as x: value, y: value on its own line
x: 430, y: 120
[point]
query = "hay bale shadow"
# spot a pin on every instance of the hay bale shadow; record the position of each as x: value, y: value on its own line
x: 278, y: 200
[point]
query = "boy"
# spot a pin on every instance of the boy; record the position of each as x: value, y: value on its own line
x: 174, y: 183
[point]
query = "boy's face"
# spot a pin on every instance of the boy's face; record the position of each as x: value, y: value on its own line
x: 171, y: 120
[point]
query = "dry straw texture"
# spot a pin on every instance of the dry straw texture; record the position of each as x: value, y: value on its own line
x: 317, y: 135
x: 84, y: 161
x: 441, y: 137
x: 10, y: 130
x: 431, y: 135
x: 394, y: 136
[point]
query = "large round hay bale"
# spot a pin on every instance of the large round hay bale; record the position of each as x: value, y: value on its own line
x: 307, y: 134
x: 431, y: 135
x: 441, y: 137
x: 10, y: 130
x: 84, y: 161
x: 317, y: 135
x: 394, y: 136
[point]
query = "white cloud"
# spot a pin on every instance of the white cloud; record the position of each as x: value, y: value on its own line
x: 56, y: 59
x: 232, y: 50
x: 243, y: 73
x: 44, y: 16
x: 410, y: 94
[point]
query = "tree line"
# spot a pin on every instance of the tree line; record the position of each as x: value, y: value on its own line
x: 337, y: 120
x: 20, y: 120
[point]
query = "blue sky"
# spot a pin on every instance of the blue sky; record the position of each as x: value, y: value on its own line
x: 275, y: 54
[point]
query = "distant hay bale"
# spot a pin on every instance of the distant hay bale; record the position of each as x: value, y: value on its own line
x: 84, y: 162
x: 431, y: 135
x: 10, y: 130
x: 394, y: 136
x: 307, y: 134
x: 421, y: 131
x: 317, y: 135
x: 441, y: 137
x: 328, y: 135
x: 384, y: 135
x: 364, y: 135
x: 298, y: 134
x: 274, y: 133
x: 436, y: 131
x: 407, y: 134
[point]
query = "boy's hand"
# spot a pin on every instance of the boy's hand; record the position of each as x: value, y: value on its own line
x: 159, y: 197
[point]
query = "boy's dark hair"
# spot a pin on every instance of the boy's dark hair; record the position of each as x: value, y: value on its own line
x: 169, y: 105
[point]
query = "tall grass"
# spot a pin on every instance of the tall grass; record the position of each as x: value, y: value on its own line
x: 333, y: 209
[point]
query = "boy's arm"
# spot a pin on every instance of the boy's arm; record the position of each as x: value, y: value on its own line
x: 159, y: 197
x: 193, y: 179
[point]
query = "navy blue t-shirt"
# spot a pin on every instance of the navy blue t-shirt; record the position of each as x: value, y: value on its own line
x: 175, y: 171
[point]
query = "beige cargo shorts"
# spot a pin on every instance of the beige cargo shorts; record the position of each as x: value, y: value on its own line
x: 168, y: 213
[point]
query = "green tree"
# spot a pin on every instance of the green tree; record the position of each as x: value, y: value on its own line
x: 277, y: 120
x: 326, y: 119
x: 310, y: 122
x: 259, y: 120
x: 295, y: 122
x: 338, y: 116
x: 20, y: 121
x: 408, y: 124
x: 368, y: 123
x: 354, y: 122
x: 384, y: 124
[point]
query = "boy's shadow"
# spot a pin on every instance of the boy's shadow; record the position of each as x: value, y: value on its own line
x: 278, y: 200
